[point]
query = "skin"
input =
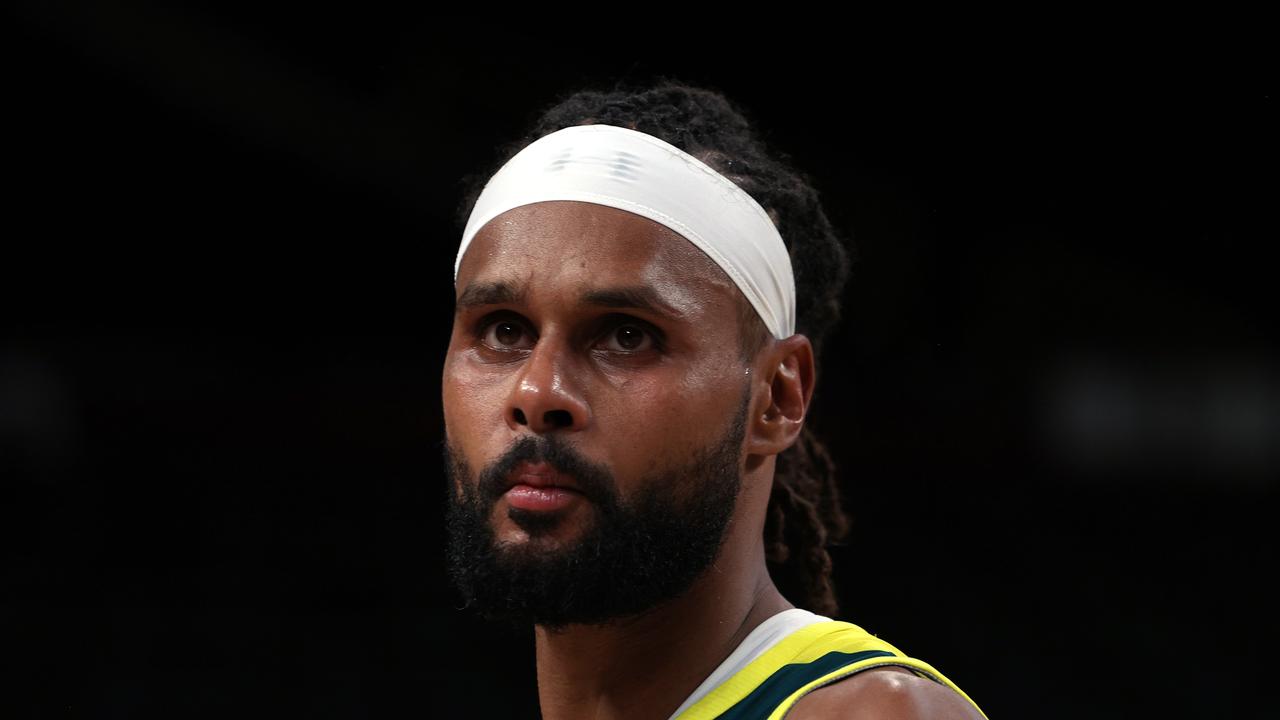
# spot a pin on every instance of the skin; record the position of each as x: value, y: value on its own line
x: 627, y: 403
x: 892, y: 693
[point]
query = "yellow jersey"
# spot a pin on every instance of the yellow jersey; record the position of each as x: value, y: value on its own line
x: 787, y: 656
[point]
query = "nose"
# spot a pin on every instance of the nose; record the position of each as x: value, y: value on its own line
x: 547, y: 396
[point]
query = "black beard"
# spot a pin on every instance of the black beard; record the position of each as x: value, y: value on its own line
x: 632, y: 557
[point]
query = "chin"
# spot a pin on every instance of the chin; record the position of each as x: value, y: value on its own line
x: 516, y: 527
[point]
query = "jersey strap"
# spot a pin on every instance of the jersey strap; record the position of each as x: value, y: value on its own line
x: 811, y: 657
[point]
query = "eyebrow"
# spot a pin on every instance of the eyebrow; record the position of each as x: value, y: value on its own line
x: 489, y: 293
x: 641, y: 297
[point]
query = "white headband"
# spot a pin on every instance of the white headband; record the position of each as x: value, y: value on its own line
x: 639, y: 173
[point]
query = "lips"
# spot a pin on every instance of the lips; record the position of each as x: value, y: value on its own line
x: 540, y: 488
x: 539, y: 475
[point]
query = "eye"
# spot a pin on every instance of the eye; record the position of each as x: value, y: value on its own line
x: 629, y: 337
x: 502, y: 334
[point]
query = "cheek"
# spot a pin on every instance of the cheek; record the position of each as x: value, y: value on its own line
x: 468, y: 397
x: 666, y: 420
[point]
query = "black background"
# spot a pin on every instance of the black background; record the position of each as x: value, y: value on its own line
x: 227, y: 291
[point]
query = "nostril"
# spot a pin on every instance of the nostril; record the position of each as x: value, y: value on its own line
x: 559, y: 418
x: 520, y: 417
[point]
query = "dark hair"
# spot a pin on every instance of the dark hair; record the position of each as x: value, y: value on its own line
x: 805, y: 513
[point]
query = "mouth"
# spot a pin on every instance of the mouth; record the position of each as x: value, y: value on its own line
x: 539, y: 487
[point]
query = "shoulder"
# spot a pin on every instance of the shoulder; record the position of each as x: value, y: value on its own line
x: 888, y: 693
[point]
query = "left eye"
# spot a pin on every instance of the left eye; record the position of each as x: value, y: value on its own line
x: 629, y: 337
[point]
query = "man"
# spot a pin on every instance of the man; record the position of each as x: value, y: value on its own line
x: 625, y: 393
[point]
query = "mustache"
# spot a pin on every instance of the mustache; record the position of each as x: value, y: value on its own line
x: 595, y: 481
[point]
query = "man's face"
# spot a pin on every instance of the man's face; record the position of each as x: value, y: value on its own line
x: 601, y: 347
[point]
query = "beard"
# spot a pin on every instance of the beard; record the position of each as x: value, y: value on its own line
x: 631, y: 555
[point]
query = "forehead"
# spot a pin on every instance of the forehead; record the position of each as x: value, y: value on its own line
x: 572, y: 245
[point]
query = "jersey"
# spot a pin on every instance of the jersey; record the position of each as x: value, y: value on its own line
x: 787, y: 656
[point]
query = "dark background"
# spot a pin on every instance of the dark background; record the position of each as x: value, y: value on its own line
x: 227, y: 291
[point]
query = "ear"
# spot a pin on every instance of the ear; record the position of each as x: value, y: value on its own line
x: 786, y: 369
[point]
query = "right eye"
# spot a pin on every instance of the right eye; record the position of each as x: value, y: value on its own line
x: 503, y: 334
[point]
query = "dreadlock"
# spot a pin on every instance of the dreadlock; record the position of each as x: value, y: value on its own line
x: 805, y: 514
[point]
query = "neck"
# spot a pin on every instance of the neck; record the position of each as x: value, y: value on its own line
x: 645, y: 666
